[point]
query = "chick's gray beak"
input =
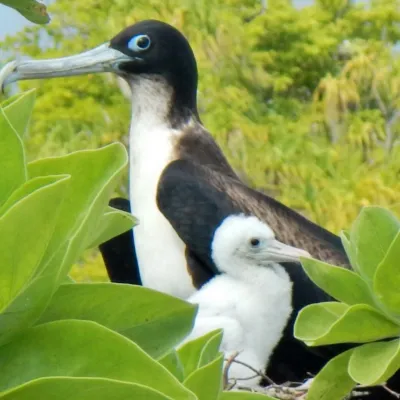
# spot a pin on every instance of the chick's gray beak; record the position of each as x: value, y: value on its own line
x: 100, y: 59
x: 280, y: 252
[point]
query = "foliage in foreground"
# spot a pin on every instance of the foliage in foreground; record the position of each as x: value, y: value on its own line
x: 367, y: 310
x: 32, y: 10
x: 60, y: 339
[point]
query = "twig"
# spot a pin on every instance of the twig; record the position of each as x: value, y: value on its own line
x: 259, y: 373
x: 228, y: 364
x: 392, y: 392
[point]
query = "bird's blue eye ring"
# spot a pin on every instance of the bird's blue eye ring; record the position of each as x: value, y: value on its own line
x: 255, y: 242
x: 139, y: 43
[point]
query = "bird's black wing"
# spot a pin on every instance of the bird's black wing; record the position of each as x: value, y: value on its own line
x: 119, y: 253
x: 289, y: 226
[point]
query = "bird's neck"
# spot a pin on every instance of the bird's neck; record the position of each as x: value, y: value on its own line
x: 157, y: 103
x: 273, y: 275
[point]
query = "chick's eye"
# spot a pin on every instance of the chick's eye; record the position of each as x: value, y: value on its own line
x: 139, y: 43
x: 255, y: 242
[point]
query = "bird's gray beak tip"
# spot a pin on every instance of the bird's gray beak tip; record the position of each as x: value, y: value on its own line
x: 6, y: 74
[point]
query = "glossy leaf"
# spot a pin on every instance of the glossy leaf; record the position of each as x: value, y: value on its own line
x: 371, y: 236
x: 340, y: 283
x: 327, y: 323
x: 173, y: 364
x: 32, y: 10
x: 26, y: 189
x: 112, y: 223
x: 206, y: 382
x: 26, y: 230
x: 345, y: 237
x: 136, y: 312
x: 198, y: 352
x: 375, y: 363
x: 87, y: 195
x: 387, y: 278
x: 12, y: 159
x: 19, y: 110
x: 82, y: 348
x: 333, y: 382
x: 66, y: 388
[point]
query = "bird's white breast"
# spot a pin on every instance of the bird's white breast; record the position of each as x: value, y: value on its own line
x: 160, y: 252
x: 252, y: 315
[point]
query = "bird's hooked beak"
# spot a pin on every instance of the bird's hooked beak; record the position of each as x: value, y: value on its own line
x: 100, y: 59
x: 279, y: 252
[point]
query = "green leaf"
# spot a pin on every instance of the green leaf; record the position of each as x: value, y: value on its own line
x: 375, y: 363
x: 94, y: 175
x: 327, y: 323
x: 12, y: 159
x: 27, y: 188
x: 345, y: 237
x: 65, y: 388
x: 82, y: 348
x: 333, y: 382
x: 32, y: 10
x: 199, y: 352
x: 387, y: 278
x: 371, y: 236
x: 173, y: 364
x: 244, y: 396
x: 25, y: 231
x: 112, y: 223
x: 136, y: 312
x: 340, y: 283
x: 19, y: 111
x: 206, y: 382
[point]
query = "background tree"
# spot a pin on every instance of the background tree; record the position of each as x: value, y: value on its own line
x: 304, y: 102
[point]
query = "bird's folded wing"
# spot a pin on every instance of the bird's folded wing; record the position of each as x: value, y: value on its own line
x: 193, y: 196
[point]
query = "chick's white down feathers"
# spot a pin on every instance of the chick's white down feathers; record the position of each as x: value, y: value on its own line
x: 251, y: 298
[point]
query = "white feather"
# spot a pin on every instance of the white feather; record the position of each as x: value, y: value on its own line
x: 250, y: 302
x: 150, y: 152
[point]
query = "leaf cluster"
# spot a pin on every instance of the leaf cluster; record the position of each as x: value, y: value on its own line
x: 60, y: 339
x: 367, y: 310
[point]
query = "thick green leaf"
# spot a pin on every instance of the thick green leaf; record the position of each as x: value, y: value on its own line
x: 25, y: 231
x: 12, y: 159
x: 173, y: 364
x: 199, y: 352
x: 19, y: 111
x: 327, y: 323
x: 333, y: 382
x: 27, y: 188
x: 371, y: 236
x: 32, y: 10
x: 345, y: 237
x: 65, y: 388
x: 206, y: 382
x: 387, y: 278
x: 136, y: 312
x: 340, y: 283
x: 112, y: 223
x: 375, y: 363
x: 93, y: 178
x: 211, y: 349
x: 244, y: 396
x: 83, y: 349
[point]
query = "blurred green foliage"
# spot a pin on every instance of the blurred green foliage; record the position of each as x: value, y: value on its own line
x: 304, y: 102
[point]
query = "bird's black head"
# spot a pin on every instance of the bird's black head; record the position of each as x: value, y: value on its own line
x: 158, y: 51
x: 146, y: 50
